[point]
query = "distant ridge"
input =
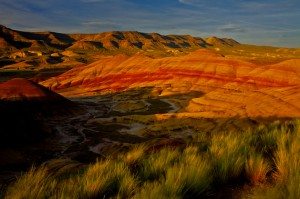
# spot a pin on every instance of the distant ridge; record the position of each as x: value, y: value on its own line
x: 131, y: 40
x: 21, y: 50
x: 214, y: 41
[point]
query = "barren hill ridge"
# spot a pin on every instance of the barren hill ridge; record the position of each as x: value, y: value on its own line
x: 21, y: 50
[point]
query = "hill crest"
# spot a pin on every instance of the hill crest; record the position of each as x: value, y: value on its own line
x: 113, y: 39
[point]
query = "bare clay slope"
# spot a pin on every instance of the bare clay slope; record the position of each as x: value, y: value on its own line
x: 231, y: 87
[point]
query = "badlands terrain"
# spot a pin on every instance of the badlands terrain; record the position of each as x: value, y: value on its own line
x: 70, y: 100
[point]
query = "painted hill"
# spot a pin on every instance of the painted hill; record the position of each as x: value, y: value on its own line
x: 24, y: 106
x: 231, y: 87
x: 21, y: 89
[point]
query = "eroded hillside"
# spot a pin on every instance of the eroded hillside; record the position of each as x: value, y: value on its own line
x: 229, y: 87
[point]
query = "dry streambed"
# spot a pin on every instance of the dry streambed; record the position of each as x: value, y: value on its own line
x: 103, y: 126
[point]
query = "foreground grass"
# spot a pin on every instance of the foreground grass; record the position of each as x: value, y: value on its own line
x: 266, y: 159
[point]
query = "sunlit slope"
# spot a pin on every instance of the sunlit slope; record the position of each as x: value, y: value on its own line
x: 229, y: 87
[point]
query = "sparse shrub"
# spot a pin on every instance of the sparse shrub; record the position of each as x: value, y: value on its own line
x: 36, y: 183
x: 191, y: 176
x: 106, y: 178
x: 134, y: 155
x: 156, y: 164
x: 103, y: 179
x: 287, y: 162
x: 265, y: 141
x: 155, y: 190
x: 229, y: 155
x: 282, y: 157
x: 256, y: 168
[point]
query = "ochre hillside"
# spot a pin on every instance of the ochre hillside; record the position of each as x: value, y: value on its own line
x: 229, y: 87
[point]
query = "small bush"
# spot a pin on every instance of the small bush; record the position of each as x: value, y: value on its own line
x: 107, y: 178
x: 134, y: 155
x: 287, y: 174
x: 256, y: 168
x: 36, y: 183
x: 229, y: 156
x: 191, y: 176
x: 156, y: 164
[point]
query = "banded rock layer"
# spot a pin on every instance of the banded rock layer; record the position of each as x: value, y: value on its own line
x: 230, y: 87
